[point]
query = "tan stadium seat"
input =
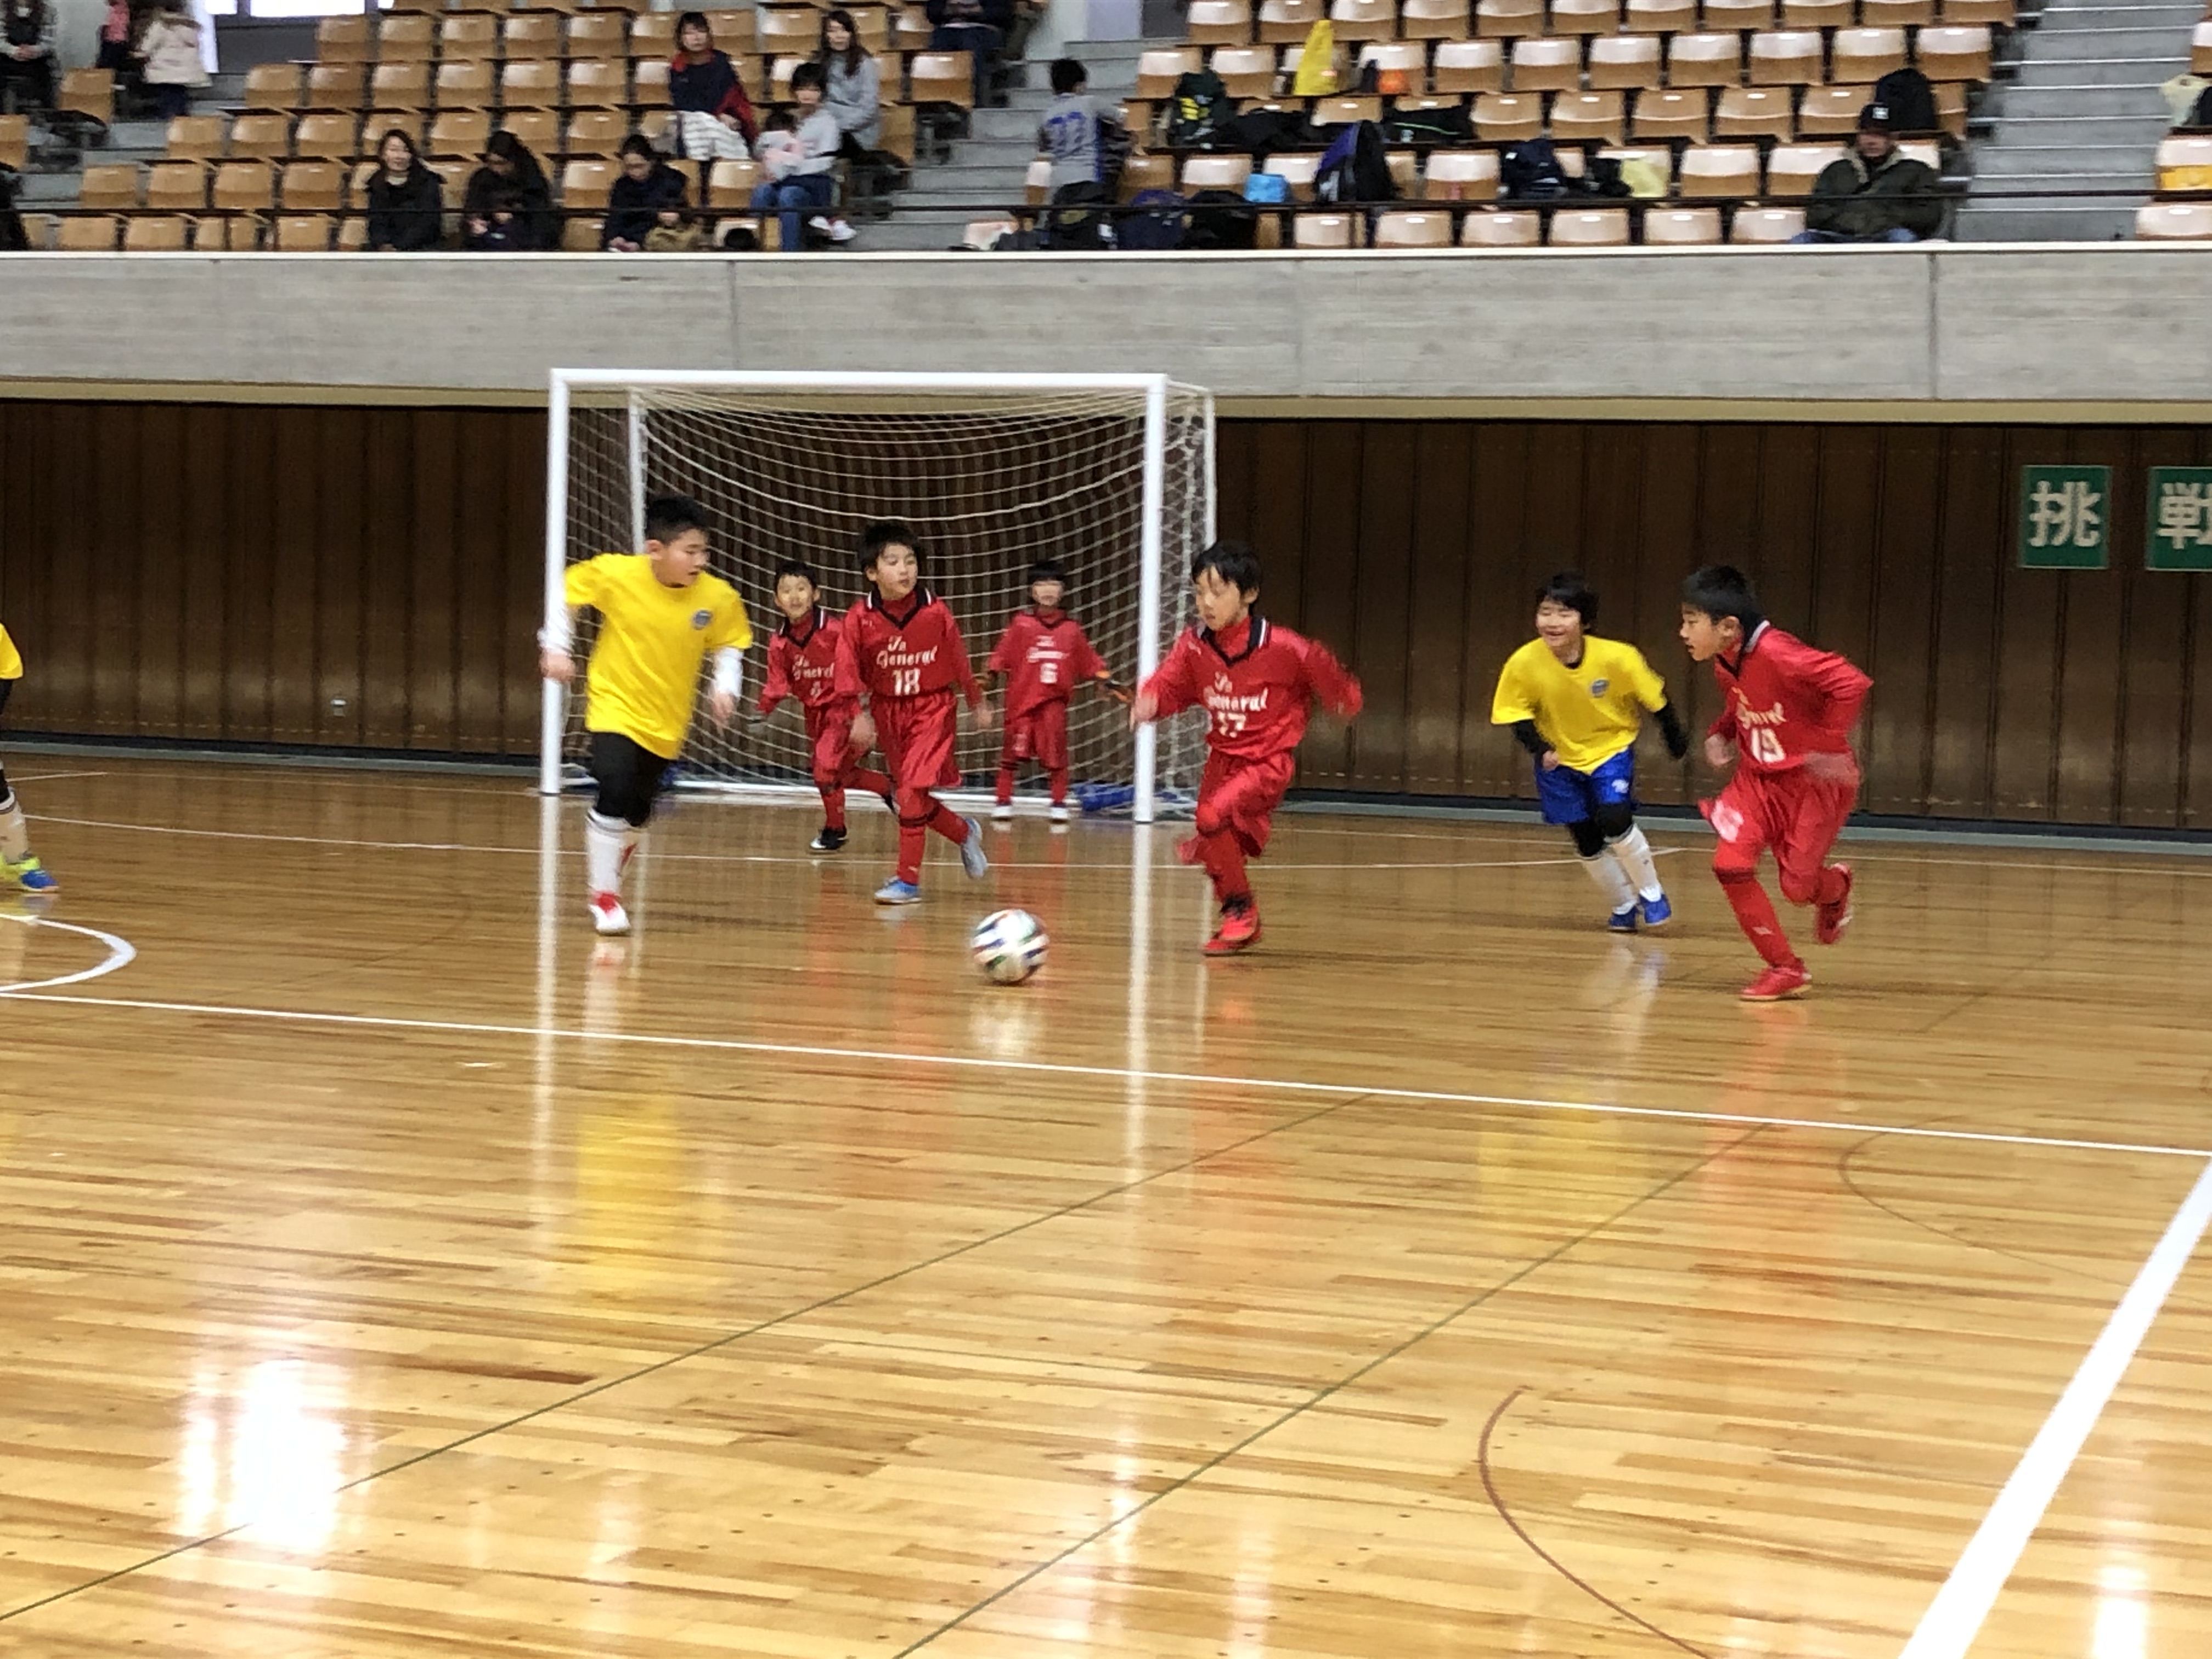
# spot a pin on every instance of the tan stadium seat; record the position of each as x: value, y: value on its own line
x: 1582, y: 117
x: 88, y: 233
x: 1144, y: 173
x: 585, y: 183
x: 1660, y: 16
x: 596, y: 132
x: 1682, y: 227
x: 378, y: 122
x: 177, y: 186
x: 1866, y: 55
x: 1158, y: 71
x: 1508, y: 118
x: 1956, y: 53
x: 2157, y: 222
x: 731, y: 183
x: 1286, y: 22
x: 1585, y: 16
x: 244, y: 187
x: 910, y: 27
x: 465, y: 83
x: 1345, y: 111
x: 1764, y: 225
x: 532, y: 83
x: 1363, y: 19
x: 273, y: 87
x: 604, y: 82
x: 1405, y: 166
x: 264, y: 137
x: 407, y: 39
x: 201, y: 137
x: 1496, y: 20
x: 1408, y: 229
x: 732, y: 28
x: 1324, y: 230
x: 15, y: 142
x: 336, y: 86
x: 1831, y: 111
x: 779, y: 72
x: 1408, y: 57
x: 109, y: 187
x: 875, y: 27
x: 456, y: 173
x: 1627, y: 62
x: 1896, y: 13
x: 2176, y: 151
x: 357, y: 184
x: 1590, y: 227
x: 1296, y: 169
x: 537, y: 129
x: 1216, y: 173
x: 156, y: 233
x: 947, y: 77
x: 302, y: 233
x: 1927, y: 152
x: 1661, y: 115
x: 1951, y: 110
x: 649, y: 76
x: 1743, y: 15
x: 400, y: 86
x: 1728, y: 171
x: 531, y: 34
x: 2200, y: 49
x: 1754, y: 112
x: 1435, y: 20
x: 87, y: 92
x: 793, y: 29
x: 1792, y: 168
x: 1551, y: 63
x: 327, y: 136
x: 1819, y: 14
x: 1501, y: 230
x: 1659, y: 157
x: 1467, y: 66
x: 467, y: 35
x: 342, y: 39
x: 1704, y: 60
x: 1460, y: 175
x: 460, y: 132
x: 312, y: 187
x: 1997, y: 14
x: 1218, y: 23
x: 1786, y: 58
x: 1246, y: 71
x: 353, y: 234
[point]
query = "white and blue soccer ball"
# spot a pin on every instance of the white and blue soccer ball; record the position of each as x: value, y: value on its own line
x: 1008, y: 945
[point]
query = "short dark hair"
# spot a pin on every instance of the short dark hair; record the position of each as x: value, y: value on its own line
x: 638, y: 144
x: 694, y: 19
x: 1047, y: 570
x: 1567, y: 588
x: 1721, y: 590
x: 795, y: 567
x: 1068, y: 75
x: 808, y: 75
x: 1234, y: 563
x: 667, y: 517
x: 414, y: 151
x: 887, y: 532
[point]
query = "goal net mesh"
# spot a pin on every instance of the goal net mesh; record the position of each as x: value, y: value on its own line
x: 990, y: 482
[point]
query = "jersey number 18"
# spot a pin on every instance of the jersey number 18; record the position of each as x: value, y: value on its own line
x: 907, y: 682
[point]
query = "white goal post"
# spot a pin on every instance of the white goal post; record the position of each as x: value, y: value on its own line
x: 1112, y: 476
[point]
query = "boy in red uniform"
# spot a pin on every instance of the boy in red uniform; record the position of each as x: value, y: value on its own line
x: 1258, y: 683
x: 1787, y: 712
x: 1043, y: 655
x: 802, y: 663
x: 901, y: 650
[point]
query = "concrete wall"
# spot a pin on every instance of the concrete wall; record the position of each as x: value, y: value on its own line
x: 1945, y: 331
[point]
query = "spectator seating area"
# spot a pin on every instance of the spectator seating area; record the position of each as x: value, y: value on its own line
x: 288, y: 170
x: 2183, y: 209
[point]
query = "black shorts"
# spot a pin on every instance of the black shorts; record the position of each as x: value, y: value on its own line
x: 629, y: 775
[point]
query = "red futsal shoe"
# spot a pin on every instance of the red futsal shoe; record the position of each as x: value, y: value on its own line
x: 1830, y: 920
x: 1239, y: 929
x: 1779, y: 984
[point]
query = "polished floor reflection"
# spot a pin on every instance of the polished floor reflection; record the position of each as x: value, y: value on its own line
x: 392, y: 1268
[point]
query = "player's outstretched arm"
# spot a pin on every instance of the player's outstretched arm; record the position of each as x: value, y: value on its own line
x: 1671, y: 729
x: 1332, y: 682
x: 557, y: 644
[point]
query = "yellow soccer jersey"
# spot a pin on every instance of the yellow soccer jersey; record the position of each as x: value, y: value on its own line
x: 11, y: 662
x: 644, y: 677
x: 1587, y: 714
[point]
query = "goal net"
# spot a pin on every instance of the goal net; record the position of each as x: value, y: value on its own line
x: 1110, y: 476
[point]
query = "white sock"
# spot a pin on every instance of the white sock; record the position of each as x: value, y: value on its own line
x: 1610, y: 881
x: 605, y: 842
x: 1635, y: 855
x: 14, y: 835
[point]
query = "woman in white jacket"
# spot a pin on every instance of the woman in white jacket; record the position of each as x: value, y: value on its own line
x: 175, y: 62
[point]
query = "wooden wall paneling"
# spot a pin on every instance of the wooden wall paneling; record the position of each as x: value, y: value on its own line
x: 2153, y: 668
x: 2087, y: 672
x: 166, y: 491
x: 1636, y: 599
x: 99, y: 535
x: 522, y: 447
x: 1902, y: 633
x: 1384, y: 596
x: 2024, y: 744
x: 493, y: 555
x: 200, y: 549
x: 1840, y: 617
x: 69, y: 517
x: 341, y: 495
x: 299, y: 567
x: 1973, y: 545
x: 389, y: 482
x: 1729, y: 471
x: 1327, y: 580
x: 433, y: 552
x: 1784, y: 557
x: 1671, y: 545
x: 1498, y: 558
x: 258, y: 545
x: 1235, y: 461
x: 1277, y: 526
x: 2197, y: 704
x: 1440, y: 691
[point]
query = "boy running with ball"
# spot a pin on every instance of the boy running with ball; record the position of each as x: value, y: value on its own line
x: 1044, y: 656
x: 802, y: 663
x: 660, y: 616
x: 1576, y: 704
x: 1787, y: 712
x: 1258, y: 683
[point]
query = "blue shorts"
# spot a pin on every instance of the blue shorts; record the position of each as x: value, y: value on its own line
x: 1569, y: 797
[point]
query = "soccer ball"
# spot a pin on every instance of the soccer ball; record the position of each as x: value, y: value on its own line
x: 1008, y: 945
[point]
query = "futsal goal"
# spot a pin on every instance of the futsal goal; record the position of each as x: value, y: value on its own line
x: 1109, y: 475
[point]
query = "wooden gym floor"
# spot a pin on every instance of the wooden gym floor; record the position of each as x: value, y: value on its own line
x: 391, y: 1269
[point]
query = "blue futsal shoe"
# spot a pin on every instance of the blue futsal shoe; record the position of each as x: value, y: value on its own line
x: 1623, y: 921
x: 972, y: 858
x: 896, y: 891
x: 30, y: 876
x: 1657, y: 913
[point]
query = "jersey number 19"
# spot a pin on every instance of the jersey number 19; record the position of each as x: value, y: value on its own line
x: 1765, y: 746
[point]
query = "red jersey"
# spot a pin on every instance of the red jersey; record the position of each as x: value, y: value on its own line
x: 1258, y: 683
x: 1782, y: 700
x: 904, y: 652
x: 1044, y: 657
x: 802, y: 663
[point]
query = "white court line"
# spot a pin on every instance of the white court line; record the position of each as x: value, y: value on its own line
x: 120, y: 954
x: 1954, y: 1617
x: 56, y: 777
x: 1112, y: 1073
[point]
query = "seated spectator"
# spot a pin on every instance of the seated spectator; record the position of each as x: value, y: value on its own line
x: 27, y: 51
x: 713, y: 118
x: 406, y: 200
x: 648, y: 193
x: 510, y: 170
x: 976, y: 26
x: 851, y: 91
x: 1874, y: 194
x: 174, y: 61
x: 798, y: 163
x: 1070, y: 133
x: 497, y: 224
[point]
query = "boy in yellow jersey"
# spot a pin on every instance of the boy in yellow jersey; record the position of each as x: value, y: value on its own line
x: 17, y: 867
x: 1576, y: 704
x: 660, y: 617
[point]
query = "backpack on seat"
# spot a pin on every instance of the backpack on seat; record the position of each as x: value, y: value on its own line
x: 1910, y: 100
x: 1531, y: 172
x: 1221, y: 219
x: 1356, y: 167
x: 1198, y: 110
x: 1151, y: 223
x: 1076, y: 221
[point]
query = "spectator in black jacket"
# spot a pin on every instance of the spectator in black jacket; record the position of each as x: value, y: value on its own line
x: 647, y: 192
x: 1874, y: 194
x: 976, y: 26
x: 509, y: 173
x: 713, y: 118
x: 406, y: 200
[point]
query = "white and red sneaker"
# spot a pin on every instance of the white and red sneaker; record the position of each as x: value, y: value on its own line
x: 1779, y: 984
x: 608, y: 916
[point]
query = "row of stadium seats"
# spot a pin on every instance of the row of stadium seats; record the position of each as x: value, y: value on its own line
x: 1499, y: 228
x: 1284, y: 22
x: 2183, y: 216
x: 190, y: 187
x: 285, y: 233
x: 402, y: 37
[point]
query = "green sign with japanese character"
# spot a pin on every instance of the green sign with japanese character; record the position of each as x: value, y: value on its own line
x: 2065, y: 517
x: 2177, y: 519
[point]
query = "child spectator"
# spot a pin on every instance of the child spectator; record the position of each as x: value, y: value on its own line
x: 26, y: 49
x: 648, y: 195
x: 799, y: 167
x: 406, y: 200
x: 713, y: 118
x: 512, y: 174
x: 1069, y: 133
x: 175, y: 62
